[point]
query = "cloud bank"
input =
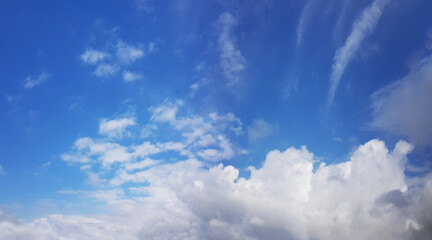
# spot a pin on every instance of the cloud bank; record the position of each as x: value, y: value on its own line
x: 367, y: 197
x: 405, y: 107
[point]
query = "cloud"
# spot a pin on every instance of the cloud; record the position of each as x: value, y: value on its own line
x: 192, y: 137
x: 284, y: 199
x: 259, y: 129
x: 128, y: 53
x: 115, y: 128
x: 304, y: 20
x: 1, y: 170
x: 105, y: 70
x: 144, y: 5
x: 91, y: 56
x: 115, y: 58
x: 362, y: 27
x: 405, y: 107
x: 31, y: 82
x: 129, y: 76
x: 232, y: 61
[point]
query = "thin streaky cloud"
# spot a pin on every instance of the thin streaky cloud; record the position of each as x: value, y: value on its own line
x: 304, y: 20
x: 232, y: 61
x: 362, y: 27
x: 31, y: 82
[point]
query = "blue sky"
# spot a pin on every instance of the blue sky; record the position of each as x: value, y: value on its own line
x: 121, y: 105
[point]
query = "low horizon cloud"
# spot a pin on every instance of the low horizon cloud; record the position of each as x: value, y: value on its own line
x: 367, y: 197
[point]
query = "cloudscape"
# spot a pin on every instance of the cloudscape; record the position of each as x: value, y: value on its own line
x: 183, y: 119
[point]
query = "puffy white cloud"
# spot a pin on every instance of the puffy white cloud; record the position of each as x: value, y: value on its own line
x: 129, y: 76
x: 259, y: 129
x: 405, y: 107
x: 362, y: 27
x: 232, y: 61
x: 367, y: 197
x: 91, y: 56
x: 115, y: 128
x: 31, y: 82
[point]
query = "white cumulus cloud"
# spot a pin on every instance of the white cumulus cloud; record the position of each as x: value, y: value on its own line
x: 115, y: 127
x: 367, y: 197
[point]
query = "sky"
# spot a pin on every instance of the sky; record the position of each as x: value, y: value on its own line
x: 218, y: 119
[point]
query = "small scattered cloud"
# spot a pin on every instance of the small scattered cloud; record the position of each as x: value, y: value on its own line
x: 362, y: 27
x: 232, y: 61
x: 337, y: 139
x: 115, y: 128
x: 2, y: 170
x: 144, y: 5
x: 31, y: 82
x: 128, y: 53
x: 105, y: 70
x: 129, y: 76
x: 117, y: 58
x: 91, y: 56
x: 259, y: 129
x: 148, y: 130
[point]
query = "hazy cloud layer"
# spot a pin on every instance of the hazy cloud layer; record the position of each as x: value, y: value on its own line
x: 259, y: 129
x: 405, y: 107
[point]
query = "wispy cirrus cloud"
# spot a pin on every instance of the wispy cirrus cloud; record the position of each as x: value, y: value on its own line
x: 304, y: 20
x: 31, y: 82
x: 232, y: 61
x: 362, y: 27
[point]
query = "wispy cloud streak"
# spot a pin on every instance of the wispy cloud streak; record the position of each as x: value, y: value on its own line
x: 232, y: 61
x: 362, y: 27
x: 304, y: 20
